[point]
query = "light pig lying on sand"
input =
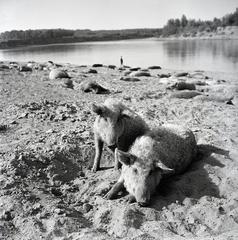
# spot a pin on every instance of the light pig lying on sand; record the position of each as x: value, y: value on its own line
x: 164, y: 151
x: 116, y: 126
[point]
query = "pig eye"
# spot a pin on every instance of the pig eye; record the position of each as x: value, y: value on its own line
x: 150, y: 172
x: 135, y: 170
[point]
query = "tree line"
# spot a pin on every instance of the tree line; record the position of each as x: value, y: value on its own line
x: 182, y: 26
x: 47, y: 36
x: 173, y: 27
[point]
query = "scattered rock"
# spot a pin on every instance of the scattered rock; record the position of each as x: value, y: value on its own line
x: 56, y: 192
x: 25, y: 69
x: 6, y: 216
x: 68, y: 83
x: 184, y: 86
x: 221, y: 81
x: 154, y: 67
x: 92, y: 71
x: 30, y: 65
x: 3, y: 66
x: 181, y: 74
x: 197, y: 75
x: 97, y: 65
x: 23, y: 115
x: 58, y: 65
x: 111, y: 66
x: 3, y: 128
x: 58, y: 73
x: 126, y: 73
x: 92, y: 86
x: 164, y: 75
x: 50, y: 64
x: 14, y: 65
x: 87, y: 207
x: 221, y: 210
x: 58, y: 211
x: 229, y: 102
x: 141, y: 74
x: 134, y: 69
x: 127, y: 98
x: 50, y: 131
x: 198, y: 82
x: 40, y: 67
x: 130, y: 79
x: 13, y: 122
x: 186, y: 94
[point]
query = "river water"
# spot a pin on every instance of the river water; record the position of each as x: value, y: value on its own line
x: 211, y: 55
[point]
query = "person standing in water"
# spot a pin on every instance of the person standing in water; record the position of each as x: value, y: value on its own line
x: 121, y: 60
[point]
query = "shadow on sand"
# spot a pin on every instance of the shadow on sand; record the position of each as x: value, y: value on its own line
x: 194, y: 183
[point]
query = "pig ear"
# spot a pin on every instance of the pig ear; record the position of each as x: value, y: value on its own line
x: 98, y: 109
x: 164, y: 168
x: 124, y: 157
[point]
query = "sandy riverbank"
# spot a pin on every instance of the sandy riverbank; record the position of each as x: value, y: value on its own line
x: 47, y: 190
x: 222, y: 33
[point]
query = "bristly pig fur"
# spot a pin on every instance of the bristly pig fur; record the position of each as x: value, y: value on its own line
x: 164, y: 151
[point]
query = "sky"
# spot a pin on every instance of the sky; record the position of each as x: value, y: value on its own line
x: 105, y: 14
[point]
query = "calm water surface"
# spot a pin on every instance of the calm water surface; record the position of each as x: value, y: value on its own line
x: 214, y: 55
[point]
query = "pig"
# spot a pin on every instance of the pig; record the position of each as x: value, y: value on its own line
x: 159, y: 153
x: 117, y: 126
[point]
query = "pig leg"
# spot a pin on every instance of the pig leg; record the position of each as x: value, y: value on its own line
x: 130, y: 199
x: 117, y: 164
x: 98, y: 153
x: 115, y: 190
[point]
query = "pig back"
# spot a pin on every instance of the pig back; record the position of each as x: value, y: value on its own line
x: 175, y: 146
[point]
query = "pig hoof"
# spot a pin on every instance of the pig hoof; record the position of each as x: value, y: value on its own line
x: 117, y: 167
x: 130, y: 199
x: 108, y: 196
x: 95, y: 169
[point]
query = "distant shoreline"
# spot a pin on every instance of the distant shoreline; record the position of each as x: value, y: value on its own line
x: 7, y: 45
x: 79, y: 42
x: 171, y: 38
x: 214, y: 37
x: 55, y: 36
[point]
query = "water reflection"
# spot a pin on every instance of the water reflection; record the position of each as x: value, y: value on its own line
x: 214, y: 55
x: 206, y: 54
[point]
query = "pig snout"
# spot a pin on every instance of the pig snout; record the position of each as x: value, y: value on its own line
x: 143, y: 197
x: 146, y: 189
